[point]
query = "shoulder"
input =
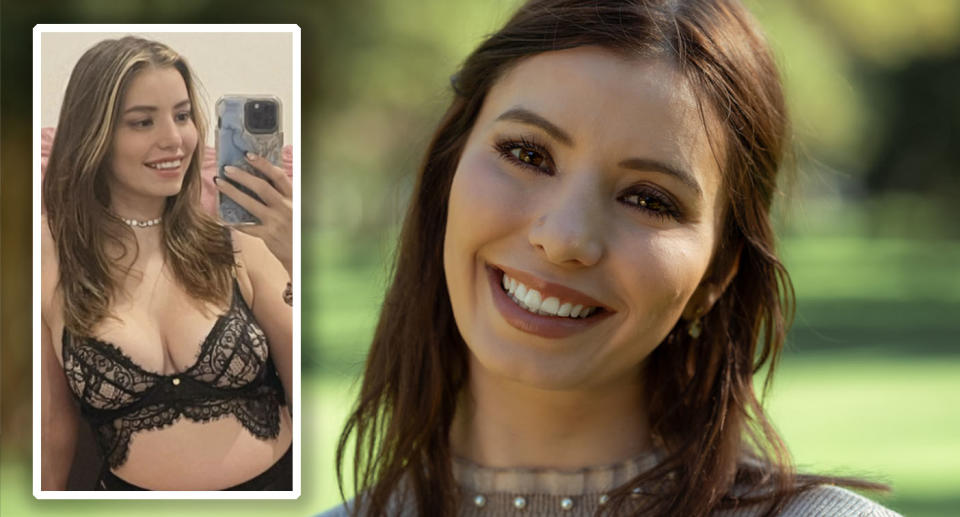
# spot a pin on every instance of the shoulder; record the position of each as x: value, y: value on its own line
x: 340, y: 510
x: 49, y: 266
x: 395, y: 508
x: 250, y: 250
x: 47, y: 246
x: 821, y: 500
x: 248, y: 254
x: 834, y: 501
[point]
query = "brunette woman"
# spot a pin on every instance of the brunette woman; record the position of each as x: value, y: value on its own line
x: 166, y: 332
x: 587, y: 281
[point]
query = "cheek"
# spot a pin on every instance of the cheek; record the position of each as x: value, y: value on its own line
x: 189, y: 136
x: 126, y: 151
x: 664, y: 270
x: 485, y: 202
x: 485, y: 206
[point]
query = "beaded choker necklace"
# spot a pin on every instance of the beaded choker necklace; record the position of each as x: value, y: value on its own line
x: 141, y: 224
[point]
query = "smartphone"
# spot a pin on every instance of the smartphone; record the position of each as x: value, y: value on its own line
x: 246, y: 123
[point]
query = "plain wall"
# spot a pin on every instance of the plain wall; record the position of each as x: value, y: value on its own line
x: 224, y: 63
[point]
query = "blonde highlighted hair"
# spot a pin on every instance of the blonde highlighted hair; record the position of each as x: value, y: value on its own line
x: 77, y: 197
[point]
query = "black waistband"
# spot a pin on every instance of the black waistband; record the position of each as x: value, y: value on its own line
x: 278, y: 477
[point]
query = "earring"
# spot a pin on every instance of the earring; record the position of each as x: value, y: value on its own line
x: 694, y: 328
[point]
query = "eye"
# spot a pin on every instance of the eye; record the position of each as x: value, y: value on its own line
x: 526, y: 153
x: 141, y: 123
x: 651, y: 202
x: 183, y: 116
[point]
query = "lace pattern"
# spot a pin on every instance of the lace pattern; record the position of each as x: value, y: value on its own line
x: 233, y: 375
x: 259, y: 416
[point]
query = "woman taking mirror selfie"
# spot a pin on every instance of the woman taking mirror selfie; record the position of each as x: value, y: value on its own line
x: 168, y: 333
x: 587, y: 281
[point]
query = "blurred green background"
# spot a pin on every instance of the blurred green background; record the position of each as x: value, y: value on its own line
x: 869, y: 384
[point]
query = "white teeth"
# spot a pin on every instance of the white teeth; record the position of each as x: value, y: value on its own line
x: 173, y: 164
x: 550, y: 306
x: 532, y: 300
x: 521, y: 292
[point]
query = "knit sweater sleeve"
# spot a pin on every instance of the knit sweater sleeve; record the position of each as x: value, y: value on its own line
x: 822, y: 501
x: 340, y: 510
x: 834, y: 501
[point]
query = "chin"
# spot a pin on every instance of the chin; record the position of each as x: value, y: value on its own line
x: 172, y: 190
x: 529, y: 365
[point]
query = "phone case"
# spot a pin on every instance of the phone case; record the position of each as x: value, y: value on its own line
x: 234, y: 139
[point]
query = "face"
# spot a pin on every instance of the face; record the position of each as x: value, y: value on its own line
x: 583, y: 217
x: 154, y: 139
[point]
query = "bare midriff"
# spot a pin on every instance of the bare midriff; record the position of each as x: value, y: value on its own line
x: 190, y: 455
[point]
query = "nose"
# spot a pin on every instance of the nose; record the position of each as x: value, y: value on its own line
x: 170, y: 136
x: 569, y: 231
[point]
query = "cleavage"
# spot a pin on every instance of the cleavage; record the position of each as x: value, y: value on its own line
x: 166, y: 345
x: 161, y: 330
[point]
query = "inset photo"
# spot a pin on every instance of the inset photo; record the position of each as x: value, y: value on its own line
x: 166, y: 261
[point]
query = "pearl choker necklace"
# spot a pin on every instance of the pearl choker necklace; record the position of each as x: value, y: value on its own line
x: 142, y: 224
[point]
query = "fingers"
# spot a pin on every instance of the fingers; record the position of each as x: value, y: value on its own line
x: 261, y: 187
x: 243, y: 199
x: 256, y: 230
x: 277, y: 175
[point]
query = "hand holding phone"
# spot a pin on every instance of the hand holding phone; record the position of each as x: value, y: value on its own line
x: 245, y: 124
x: 255, y: 194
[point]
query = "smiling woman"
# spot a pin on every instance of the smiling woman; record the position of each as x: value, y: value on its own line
x: 145, y: 139
x: 587, y: 281
x: 566, y: 196
x: 165, y: 331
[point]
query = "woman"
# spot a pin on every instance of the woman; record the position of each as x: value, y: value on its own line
x: 171, y: 333
x: 590, y: 256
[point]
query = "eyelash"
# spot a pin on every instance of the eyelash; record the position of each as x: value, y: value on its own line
x: 506, y: 147
x: 182, y: 116
x: 645, y: 195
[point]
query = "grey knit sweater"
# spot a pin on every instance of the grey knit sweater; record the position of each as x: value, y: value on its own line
x: 541, y: 493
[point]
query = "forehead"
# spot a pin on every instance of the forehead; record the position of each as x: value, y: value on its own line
x: 607, y: 102
x: 155, y: 86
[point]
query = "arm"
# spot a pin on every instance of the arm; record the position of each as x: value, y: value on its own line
x: 266, y: 249
x: 59, y: 419
x: 59, y: 416
x: 268, y: 279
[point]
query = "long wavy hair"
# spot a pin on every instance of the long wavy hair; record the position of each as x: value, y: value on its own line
x: 76, y: 194
x: 703, y: 409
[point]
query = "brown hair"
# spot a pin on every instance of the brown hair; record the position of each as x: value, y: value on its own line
x: 77, y: 197
x: 706, y: 417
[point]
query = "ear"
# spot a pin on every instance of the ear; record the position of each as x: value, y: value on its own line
x: 711, y: 289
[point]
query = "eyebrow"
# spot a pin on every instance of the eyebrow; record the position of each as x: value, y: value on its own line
x: 185, y: 102
x: 644, y: 164
x: 525, y: 116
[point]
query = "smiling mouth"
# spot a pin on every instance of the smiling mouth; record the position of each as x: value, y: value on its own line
x: 534, y: 301
x: 166, y: 165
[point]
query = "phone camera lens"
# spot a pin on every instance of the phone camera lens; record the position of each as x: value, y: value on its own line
x: 260, y: 116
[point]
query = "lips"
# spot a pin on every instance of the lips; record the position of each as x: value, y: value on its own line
x: 167, y: 166
x: 542, y: 308
x: 537, y: 302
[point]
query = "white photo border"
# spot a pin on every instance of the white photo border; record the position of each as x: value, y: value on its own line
x: 295, y: 141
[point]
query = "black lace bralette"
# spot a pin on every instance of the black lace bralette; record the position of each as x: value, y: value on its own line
x: 233, y: 375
